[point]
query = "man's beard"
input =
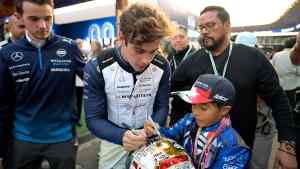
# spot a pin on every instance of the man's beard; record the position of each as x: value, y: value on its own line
x: 216, y: 43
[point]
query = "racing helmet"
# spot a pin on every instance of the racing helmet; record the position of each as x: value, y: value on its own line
x: 160, y: 154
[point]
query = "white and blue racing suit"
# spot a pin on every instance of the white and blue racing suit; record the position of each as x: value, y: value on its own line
x: 116, y: 98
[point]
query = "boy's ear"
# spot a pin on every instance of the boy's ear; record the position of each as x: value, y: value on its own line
x: 225, y: 110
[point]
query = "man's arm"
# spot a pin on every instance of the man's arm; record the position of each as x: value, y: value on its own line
x: 95, y: 106
x: 270, y: 91
x: 295, y: 53
x: 161, y: 104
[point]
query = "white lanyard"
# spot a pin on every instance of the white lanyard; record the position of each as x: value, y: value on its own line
x: 214, y: 64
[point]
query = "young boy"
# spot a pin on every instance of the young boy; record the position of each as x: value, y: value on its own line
x: 207, y: 134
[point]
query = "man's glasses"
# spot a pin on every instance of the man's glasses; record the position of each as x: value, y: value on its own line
x: 209, y: 27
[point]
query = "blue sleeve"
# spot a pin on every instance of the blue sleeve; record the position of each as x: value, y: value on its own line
x: 95, y: 106
x: 7, y: 100
x: 177, y: 131
x: 232, y: 157
x: 161, y: 103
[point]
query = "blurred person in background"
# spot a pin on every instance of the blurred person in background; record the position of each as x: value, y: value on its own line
x: 15, y: 28
x: 84, y: 51
x: 96, y: 49
x: 181, y: 48
x: 6, y: 33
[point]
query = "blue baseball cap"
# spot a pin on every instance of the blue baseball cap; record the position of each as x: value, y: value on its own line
x: 209, y: 88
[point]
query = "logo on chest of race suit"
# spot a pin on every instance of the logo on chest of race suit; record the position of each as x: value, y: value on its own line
x: 61, y: 52
x: 17, y: 56
x: 154, y: 69
x: 62, y: 63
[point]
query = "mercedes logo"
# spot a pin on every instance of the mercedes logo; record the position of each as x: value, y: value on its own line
x: 17, y: 56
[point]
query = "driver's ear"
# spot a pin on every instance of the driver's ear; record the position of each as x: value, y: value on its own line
x: 19, y: 17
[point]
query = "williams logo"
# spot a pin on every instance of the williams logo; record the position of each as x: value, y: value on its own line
x: 61, y: 52
x: 17, y: 56
x: 222, y: 98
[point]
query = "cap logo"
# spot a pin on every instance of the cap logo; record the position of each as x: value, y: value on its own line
x: 219, y: 97
x: 201, y: 85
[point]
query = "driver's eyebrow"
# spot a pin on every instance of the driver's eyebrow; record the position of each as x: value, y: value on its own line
x: 143, y: 50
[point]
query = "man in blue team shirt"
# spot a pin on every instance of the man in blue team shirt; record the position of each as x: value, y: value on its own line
x: 128, y: 84
x: 16, y: 31
x: 39, y: 72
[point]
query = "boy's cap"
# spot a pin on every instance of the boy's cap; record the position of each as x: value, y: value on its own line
x: 210, y: 88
